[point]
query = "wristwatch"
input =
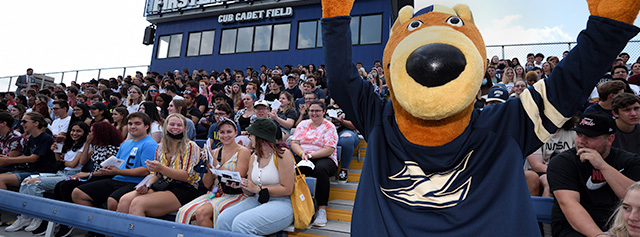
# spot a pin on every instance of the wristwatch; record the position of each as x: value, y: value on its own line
x: 218, y: 165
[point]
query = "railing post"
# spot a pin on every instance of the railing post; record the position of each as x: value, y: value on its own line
x: 9, y: 86
x: 44, y: 77
x: 99, y: 71
x: 124, y: 72
x: 569, y: 44
x: 503, y: 52
x: 76, y: 80
x: 62, y: 79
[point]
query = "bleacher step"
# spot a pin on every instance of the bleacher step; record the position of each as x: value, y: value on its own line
x: 333, y: 228
x: 340, y: 210
x: 355, y: 164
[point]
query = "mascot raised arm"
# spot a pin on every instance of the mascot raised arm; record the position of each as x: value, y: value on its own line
x: 434, y: 165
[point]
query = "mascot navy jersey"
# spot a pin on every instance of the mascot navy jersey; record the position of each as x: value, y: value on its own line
x: 473, y: 185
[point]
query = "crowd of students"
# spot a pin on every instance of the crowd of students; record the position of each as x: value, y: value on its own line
x: 57, y: 139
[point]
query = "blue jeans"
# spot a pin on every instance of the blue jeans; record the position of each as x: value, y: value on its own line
x: 46, y: 183
x: 348, y: 140
x: 251, y: 217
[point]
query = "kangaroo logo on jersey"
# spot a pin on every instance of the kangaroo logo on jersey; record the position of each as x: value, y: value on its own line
x: 434, y: 190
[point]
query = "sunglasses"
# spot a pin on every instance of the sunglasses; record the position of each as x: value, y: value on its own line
x: 153, y: 90
x: 24, y: 121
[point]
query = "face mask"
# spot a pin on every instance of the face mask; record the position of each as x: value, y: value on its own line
x: 529, y: 68
x: 175, y: 136
x: 113, y: 101
x: 484, y: 81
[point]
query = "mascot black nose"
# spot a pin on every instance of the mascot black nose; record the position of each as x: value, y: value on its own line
x: 435, y: 64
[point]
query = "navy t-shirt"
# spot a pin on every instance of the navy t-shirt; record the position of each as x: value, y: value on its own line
x: 41, y: 145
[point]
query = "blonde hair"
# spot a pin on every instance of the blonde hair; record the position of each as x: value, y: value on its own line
x: 504, y: 76
x: 182, y: 143
x: 139, y: 93
x: 619, y: 228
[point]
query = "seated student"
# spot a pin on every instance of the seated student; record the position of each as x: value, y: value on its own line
x: 12, y: 143
x: 589, y: 180
x: 231, y: 156
x: 174, y: 182
x: 285, y: 116
x: 101, y: 144
x: 607, y: 91
x: 221, y: 111
x: 303, y: 105
x: 180, y: 107
x: 347, y: 139
x: 315, y: 140
x: 535, y: 167
x: 72, y: 147
x: 269, y: 182
x: 134, y: 152
x: 626, y: 217
x: 626, y: 108
x: 37, y: 153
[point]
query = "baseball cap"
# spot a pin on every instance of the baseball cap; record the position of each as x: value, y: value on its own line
x: 99, y: 106
x: 595, y: 124
x: 261, y: 102
x: 497, y: 94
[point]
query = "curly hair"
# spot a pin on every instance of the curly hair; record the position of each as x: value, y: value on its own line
x: 105, y: 134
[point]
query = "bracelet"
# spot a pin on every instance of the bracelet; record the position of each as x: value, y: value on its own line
x: 301, y: 154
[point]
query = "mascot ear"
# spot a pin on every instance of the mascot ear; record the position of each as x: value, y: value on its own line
x: 464, y: 12
x: 405, y: 14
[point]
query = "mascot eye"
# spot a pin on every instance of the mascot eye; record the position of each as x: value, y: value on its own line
x: 414, y: 25
x: 455, y: 21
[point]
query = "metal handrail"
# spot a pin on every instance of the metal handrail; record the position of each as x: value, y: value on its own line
x: 99, y: 71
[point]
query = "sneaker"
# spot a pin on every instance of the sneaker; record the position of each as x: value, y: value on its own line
x: 42, y: 229
x: 343, y: 176
x: 321, y: 218
x: 35, y: 223
x: 64, y: 231
x: 18, y: 224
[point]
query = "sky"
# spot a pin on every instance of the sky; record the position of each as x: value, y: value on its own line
x: 54, y: 36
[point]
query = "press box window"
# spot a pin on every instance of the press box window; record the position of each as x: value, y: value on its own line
x: 228, y: 41
x: 169, y: 46
x: 307, y: 32
x: 200, y: 43
x: 281, y: 36
x: 255, y: 39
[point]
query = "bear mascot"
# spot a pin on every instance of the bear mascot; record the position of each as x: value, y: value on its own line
x: 434, y: 165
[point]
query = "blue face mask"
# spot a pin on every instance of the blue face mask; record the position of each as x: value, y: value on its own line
x: 484, y: 81
x: 529, y: 68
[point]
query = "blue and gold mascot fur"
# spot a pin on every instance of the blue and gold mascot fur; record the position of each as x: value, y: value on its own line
x: 434, y: 165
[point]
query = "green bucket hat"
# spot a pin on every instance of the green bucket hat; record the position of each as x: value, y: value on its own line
x: 264, y: 128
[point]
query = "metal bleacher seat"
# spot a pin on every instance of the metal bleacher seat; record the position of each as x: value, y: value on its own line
x: 542, y: 207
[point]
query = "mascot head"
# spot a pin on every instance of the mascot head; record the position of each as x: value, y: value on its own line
x: 434, y: 61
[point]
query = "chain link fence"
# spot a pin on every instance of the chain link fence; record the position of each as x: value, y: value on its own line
x: 520, y: 51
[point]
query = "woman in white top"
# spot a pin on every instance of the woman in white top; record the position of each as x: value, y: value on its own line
x: 268, y: 208
x: 71, y: 150
x: 134, y: 99
x: 151, y: 109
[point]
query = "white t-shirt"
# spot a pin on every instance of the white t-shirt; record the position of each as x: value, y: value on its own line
x: 155, y: 127
x: 60, y: 125
x: 177, y: 97
x: 70, y: 155
x: 133, y: 108
x: 561, y: 141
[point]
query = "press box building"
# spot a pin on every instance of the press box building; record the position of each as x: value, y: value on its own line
x: 218, y: 34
